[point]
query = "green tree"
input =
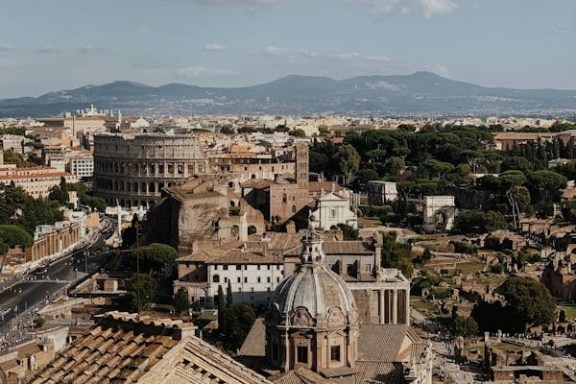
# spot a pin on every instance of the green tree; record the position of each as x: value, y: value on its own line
x: 298, y: 133
x: 394, y: 166
x: 181, y: 300
x: 221, y: 308
x: 154, y: 257
x: 141, y: 291
x: 348, y: 160
x: 530, y: 302
x: 349, y: 232
x: 229, y: 295
x: 15, y: 236
x: 396, y: 255
x: 465, y: 326
x: 238, y: 319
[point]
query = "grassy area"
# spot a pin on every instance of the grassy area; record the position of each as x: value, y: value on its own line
x: 470, y: 267
x: 367, y: 222
x: 417, y: 303
x: 569, y: 309
x: 505, y: 347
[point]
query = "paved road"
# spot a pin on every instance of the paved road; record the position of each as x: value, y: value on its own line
x: 17, y: 302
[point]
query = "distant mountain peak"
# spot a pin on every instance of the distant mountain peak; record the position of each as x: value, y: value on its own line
x: 420, y: 93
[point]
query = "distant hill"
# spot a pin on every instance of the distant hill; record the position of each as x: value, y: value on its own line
x: 421, y: 93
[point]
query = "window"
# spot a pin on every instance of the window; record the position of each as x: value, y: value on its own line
x: 368, y: 267
x: 278, y: 279
x: 258, y: 267
x: 239, y: 280
x: 302, y: 353
x: 225, y: 279
x: 238, y: 267
x: 335, y: 353
x: 225, y: 267
x: 245, y: 279
x: 268, y: 267
x: 284, y: 198
x: 216, y: 279
x: 332, y: 213
x: 268, y: 279
x: 258, y: 279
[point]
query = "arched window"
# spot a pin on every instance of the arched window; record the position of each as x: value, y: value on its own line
x: 216, y: 278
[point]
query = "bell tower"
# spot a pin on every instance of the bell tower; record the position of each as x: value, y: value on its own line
x: 302, y: 164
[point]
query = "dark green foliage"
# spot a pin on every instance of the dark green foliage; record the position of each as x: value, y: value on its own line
x: 12, y: 236
x: 221, y: 306
x: 349, y: 232
x: 229, y: 295
x: 427, y: 280
x: 464, y: 247
x: 60, y: 193
x: 396, y: 255
x: 528, y: 302
x: 465, y: 326
x: 11, y: 157
x: 470, y: 222
x: 19, y: 208
x: 181, y: 300
x: 146, y: 286
x: 86, y: 198
x: 154, y: 257
x: 237, y: 321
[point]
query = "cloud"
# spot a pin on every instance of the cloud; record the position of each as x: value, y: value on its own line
x: 215, y: 47
x: 149, y: 65
x: 197, y: 71
x: 325, y: 63
x: 303, y: 55
x: 7, y: 47
x: 89, y: 49
x: 432, y: 7
x: 377, y: 7
x: 244, y: 3
x: 438, y: 69
x: 48, y: 49
x: 405, y: 7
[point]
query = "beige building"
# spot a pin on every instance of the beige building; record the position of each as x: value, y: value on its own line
x: 36, y: 181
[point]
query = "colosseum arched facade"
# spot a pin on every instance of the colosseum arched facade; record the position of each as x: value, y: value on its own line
x: 133, y: 169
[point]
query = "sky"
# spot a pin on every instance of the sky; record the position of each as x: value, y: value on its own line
x: 64, y: 44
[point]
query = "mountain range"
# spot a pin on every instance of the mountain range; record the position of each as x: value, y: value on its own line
x: 418, y: 94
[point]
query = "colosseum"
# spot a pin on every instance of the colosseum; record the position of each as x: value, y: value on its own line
x: 133, y: 169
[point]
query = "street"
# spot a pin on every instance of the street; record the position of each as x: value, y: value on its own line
x: 19, y: 302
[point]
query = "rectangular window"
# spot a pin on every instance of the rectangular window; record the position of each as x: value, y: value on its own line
x: 238, y: 267
x: 335, y: 353
x: 258, y: 267
x: 368, y: 267
x: 258, y: 279
x: 302, y: 353
x: 268, y: 267
x: 245, y: 279
x: 225, y: 267
x: 332, y: 213
x: 239, y: 280
x: 268, y: 279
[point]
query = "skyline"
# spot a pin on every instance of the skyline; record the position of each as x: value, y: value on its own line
x: 232, y: 43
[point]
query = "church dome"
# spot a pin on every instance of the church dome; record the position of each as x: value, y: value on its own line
x: 315, y: 288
